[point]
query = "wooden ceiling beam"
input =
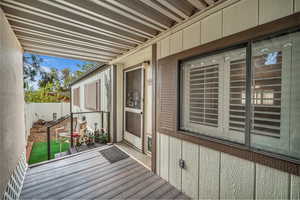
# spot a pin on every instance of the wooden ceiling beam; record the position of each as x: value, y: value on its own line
x: 173, y: 8
x: 210, y: 2
x: 65, y: 51
x: 198, y: 4
x: 63, y: 55
x: 26, y: 42
x: 162, y: 10
x: 41, y: 40
x: 131, y: 14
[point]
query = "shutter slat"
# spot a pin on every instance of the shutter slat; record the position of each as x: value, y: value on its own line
x: 203, y: 94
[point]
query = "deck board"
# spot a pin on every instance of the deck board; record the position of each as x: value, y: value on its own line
x: 90, y: 176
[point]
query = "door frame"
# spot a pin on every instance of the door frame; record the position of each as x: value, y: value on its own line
x: 132, y: 68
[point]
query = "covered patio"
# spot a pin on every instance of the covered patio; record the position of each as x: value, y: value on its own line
x: 207, y: 90
x: 89, y: 175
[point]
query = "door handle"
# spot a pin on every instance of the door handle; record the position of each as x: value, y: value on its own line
x: 141, y: 113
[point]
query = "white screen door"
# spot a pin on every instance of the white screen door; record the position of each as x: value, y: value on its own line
x: 134, y: 106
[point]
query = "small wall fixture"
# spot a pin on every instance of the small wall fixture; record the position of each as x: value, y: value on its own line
x: 181, y: 164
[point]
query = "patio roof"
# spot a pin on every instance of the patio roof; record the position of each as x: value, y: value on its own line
x: 94, y: 30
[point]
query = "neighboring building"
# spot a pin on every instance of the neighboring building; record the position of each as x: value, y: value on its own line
x: 90, y: 94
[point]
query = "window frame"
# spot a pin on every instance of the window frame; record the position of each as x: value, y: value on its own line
x: 248, y: 104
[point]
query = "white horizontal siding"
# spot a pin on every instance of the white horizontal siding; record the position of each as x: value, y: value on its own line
x: 210, y: 174
x: 237, y: 17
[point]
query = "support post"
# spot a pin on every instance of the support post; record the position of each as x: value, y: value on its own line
x: 71, y: 131
x: 48, y: 143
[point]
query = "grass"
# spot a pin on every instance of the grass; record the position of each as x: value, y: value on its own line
x: 39, y: 151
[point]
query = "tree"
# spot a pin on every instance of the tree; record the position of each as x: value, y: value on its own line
x: 49, y: 77
x: 67, y: 78
x: 31, y: 68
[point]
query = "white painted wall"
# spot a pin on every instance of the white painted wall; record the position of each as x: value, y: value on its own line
x: 44, y: 111
x: 12, y: 123
x: 104, y: 103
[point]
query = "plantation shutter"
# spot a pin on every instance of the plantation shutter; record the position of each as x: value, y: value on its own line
x: 201, y: 99
x: 234, y: 100
x: 204, y: 91
x: 91, y: 93
x: 76, y: 96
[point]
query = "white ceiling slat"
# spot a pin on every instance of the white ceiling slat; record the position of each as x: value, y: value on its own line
x: 99, y: 15
x: 78, y: 53
x: 130, y: 16
x: 133, y: 11
x: 173, y: 8
x: 43, y: 42
x: 59, y: 54
x: 209, y: 2
x: 65, y: 20
x: 64, y: 31
x: 51, y: 42
x: 160, y: 9
x: 96, y: 19
x: 62, y: 39
x: 198, y: 4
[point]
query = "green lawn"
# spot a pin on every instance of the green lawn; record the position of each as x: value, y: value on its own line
x: 39, y: 151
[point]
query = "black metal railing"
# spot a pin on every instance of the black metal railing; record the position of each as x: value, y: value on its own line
x: 49, y: 125
x: 104, y: 122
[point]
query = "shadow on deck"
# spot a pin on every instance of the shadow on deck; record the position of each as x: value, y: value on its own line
x: 89, y: 175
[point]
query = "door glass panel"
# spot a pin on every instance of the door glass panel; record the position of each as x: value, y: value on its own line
x: 133, y: 123
x: 133, y: 89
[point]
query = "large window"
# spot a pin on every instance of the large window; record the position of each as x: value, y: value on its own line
x: 220, y: 97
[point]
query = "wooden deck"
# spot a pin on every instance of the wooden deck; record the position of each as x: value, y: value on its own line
x: 90, y: 176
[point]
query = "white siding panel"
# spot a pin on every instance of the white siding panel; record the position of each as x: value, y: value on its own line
x: 237, y: 178
x: 270, y: 10
x: 164, y: 157
x: 165, y: 47
x: 191, y: 36
x: 175, y: 155
x: 295, y: 187
x: 271, y: 183
x: 190, y: 154
x: 176, y: 42
x: 240, y: 16
x: 209, y: 172
x: 297, y: 5
x: 211, y: 27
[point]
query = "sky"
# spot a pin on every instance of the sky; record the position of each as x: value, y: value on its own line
x: 60, y: 63
x: 55, y: 62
